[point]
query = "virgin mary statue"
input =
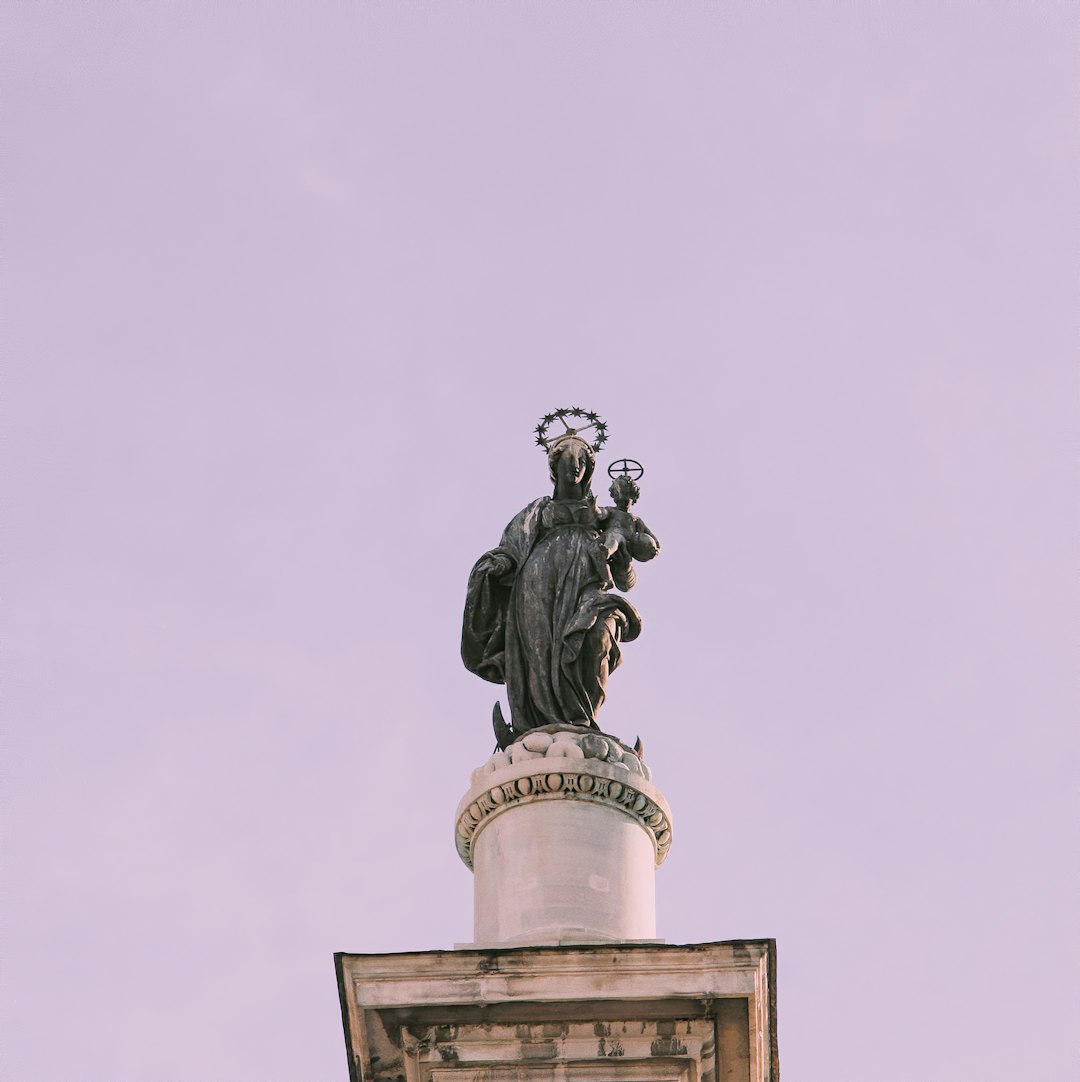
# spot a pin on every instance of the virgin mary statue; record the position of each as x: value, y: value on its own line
x: 539, y: 616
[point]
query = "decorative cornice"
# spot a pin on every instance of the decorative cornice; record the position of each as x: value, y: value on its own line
x: 587, y: 780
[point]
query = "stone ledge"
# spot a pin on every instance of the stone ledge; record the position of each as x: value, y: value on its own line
x: 592, y: 781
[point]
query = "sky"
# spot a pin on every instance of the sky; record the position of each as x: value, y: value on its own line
x: 288, y: 286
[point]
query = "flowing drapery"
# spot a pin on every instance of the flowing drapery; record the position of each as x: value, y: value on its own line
x: 544, y: 628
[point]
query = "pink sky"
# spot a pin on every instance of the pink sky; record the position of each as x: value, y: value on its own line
x: 288, y: 286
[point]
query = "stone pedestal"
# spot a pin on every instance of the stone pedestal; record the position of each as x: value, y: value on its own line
x: 563, y: 833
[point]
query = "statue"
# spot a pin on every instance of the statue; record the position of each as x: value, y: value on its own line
x: 540, y: 616
x: 625, y: 536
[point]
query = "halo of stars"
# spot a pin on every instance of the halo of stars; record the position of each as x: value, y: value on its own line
x: 591, y: 419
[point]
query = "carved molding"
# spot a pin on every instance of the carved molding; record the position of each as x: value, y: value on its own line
x: 562, y: 779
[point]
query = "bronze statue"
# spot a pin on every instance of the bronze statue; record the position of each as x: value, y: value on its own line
x: 540, y: 616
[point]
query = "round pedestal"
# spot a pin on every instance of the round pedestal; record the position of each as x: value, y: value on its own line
x: 564, y: 850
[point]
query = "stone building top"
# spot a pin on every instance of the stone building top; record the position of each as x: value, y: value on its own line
x: 640, y: 1012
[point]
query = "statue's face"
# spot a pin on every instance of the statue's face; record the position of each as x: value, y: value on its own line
x: 622, y: 491
x: 573, y: 461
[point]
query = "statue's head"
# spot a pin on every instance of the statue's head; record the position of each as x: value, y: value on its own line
x: 572, y: 459
x: 624, y: 491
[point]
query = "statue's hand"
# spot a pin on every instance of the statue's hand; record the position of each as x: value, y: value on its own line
x: 499, y: 564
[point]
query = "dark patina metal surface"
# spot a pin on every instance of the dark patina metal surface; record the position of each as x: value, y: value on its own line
x: 541, y: 614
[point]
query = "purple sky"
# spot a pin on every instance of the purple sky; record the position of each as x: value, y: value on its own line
x: 288, y: 286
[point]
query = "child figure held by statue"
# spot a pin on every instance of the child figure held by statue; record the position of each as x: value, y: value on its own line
x: 625, y: 537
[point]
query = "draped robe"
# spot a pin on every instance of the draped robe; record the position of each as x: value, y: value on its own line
x: 540, y: 628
